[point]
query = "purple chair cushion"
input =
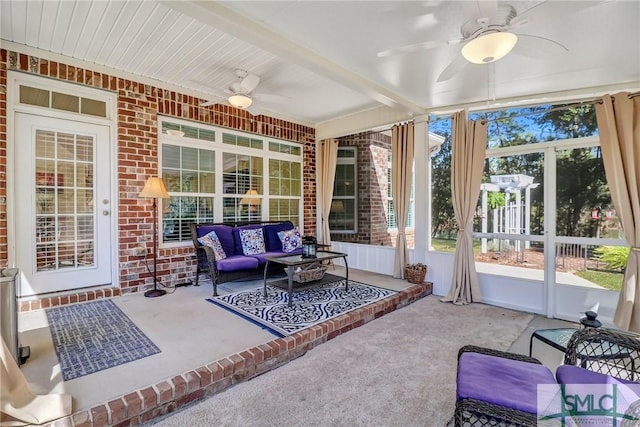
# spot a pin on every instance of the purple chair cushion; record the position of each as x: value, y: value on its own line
x: 569, y: 374
x: 504, y: 382
x: 225, y: 235
x: 274, y: 244
x: 237, y: 262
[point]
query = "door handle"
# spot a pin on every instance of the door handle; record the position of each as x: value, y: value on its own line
x: 105, y: 212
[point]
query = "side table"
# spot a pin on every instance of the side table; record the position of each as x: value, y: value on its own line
x: 558, y: 338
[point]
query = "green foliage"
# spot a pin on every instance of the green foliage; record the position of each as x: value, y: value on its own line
x: 495, y: 200
x: 443, y: 218
x: 611, y: 281
x: 614, y: 256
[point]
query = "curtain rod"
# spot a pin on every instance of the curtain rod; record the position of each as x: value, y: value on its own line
x: 558, y: 108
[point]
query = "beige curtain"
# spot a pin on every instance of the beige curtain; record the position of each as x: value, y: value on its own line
x: 401, y: 172
x: 469, y: 141
x: 327, y: 159
x: 619, y: 125
x: 18, y: 406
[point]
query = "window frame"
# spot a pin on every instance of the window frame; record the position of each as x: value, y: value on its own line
x: 218, y: 148
x: 353, y: 160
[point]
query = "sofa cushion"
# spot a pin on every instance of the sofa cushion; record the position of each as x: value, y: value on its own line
x: 211, y: 239
x: 225, y: 235
x: 237, y: 262
x: 261, y: 257
x: 501, y: 381
x: 236, y: 236
x: 252, y: 241
x: 271, y: 235
x: 291, y: 240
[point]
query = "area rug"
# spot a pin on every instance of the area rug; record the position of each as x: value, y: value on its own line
x: 93, y: 336
x: 311, y: 306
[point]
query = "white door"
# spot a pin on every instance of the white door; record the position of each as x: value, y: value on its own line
x: 63, y: 206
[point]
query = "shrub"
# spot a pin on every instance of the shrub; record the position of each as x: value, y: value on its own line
x: 614, y: 256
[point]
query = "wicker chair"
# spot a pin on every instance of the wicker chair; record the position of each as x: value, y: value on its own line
x: 484, y: 386
x: 607, y: 351
x: 492, y: 411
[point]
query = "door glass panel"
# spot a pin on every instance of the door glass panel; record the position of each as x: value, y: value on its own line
x: 64, y: 201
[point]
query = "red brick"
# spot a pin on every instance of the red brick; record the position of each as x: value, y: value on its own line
x: 118, y: 411
x: 206, y: 377
x: 133, y: 403
x: 180, y: 386
x: 227, y: 367
x: 149, y: 398
x: 82, y: 419
x: 165, y: 392
x: 217, y: 372
x: 100, y: 416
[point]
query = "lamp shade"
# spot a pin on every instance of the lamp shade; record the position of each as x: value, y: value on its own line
x: 250, y: 198
x: 240, y: 101
x: 489, y: 47
x: 154, y: 188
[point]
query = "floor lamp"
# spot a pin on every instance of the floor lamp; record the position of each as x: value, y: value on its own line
x: 153, y: 189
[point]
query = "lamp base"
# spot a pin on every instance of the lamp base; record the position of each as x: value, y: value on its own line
x: 152, y: 293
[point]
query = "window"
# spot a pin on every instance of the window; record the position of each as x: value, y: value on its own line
x: 342, y: 217
x: 391, y: 214
x: 242, y: 186
x: 285, y: 188
x: 215, y: 175
x: 189, y: 175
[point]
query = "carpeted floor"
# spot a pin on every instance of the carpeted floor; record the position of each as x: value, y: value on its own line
x: 93, y: 336
x: 311, y: 305
x: 396, y: 371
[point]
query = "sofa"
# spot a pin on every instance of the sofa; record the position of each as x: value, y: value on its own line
x: 237, y: 251
x: 500, y: 388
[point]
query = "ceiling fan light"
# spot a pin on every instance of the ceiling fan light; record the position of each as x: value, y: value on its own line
x: 240, y: 101
x: 489, y: 47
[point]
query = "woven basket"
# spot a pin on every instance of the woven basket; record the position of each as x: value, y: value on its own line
x: 309, y: 273
x: 415, y: 273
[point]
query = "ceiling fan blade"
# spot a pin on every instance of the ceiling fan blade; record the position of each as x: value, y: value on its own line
x: 414, y: 47
x: 536, y: 46
x: 249, y: 83
x: 453, y: 68
x: 549, y: 11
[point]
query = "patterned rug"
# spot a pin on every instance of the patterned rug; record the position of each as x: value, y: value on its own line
x: 311, y: 305
x: 93, y: 336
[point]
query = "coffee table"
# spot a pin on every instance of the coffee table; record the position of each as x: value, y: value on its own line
x: 293, y: 261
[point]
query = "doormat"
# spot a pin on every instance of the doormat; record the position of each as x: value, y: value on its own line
x: 93, y: 336
x: 311, y: 305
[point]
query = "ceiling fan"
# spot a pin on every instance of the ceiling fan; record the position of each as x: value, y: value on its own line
x: 493, y: 31
x: 240, y: 94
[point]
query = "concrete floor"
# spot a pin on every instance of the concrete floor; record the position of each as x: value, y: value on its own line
x: 191, y: 332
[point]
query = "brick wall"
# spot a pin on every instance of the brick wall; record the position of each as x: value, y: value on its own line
x: 372, y: 156
x: 138, y: 107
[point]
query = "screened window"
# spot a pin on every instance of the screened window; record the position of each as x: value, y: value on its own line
x: 342, y: 217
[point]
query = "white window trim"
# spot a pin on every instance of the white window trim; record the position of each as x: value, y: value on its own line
x: 220, y: 148
x: 349, y: 161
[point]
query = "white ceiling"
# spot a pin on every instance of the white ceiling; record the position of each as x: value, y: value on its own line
x: 322, y: 55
